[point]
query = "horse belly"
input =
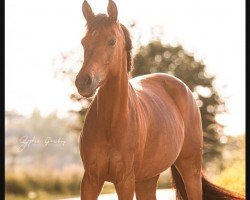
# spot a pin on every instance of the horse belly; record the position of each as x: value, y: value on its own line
x: 164, y: 142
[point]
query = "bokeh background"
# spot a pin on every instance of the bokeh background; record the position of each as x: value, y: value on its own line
x: 201, y: 42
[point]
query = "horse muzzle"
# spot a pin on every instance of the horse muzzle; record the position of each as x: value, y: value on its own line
x: 86, y: 85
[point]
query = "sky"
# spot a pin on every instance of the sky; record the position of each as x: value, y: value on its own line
x: 36, y: 32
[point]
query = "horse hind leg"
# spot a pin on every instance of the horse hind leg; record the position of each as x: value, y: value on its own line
x: 146, y: 190
x: 187, y: 176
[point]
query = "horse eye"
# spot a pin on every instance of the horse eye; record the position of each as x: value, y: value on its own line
x: 112, y: 42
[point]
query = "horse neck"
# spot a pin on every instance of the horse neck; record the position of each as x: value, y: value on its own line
x: 112, y: 99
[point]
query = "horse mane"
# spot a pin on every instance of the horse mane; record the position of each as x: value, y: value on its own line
x: 100, y: 21
x: 129, y: 47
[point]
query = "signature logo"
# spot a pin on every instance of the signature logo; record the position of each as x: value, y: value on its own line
x: 26, y: 141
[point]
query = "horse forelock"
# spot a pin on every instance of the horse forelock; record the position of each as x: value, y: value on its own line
x: 101, y: 21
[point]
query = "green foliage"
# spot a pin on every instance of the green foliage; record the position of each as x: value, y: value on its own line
x: 39, y: 195
x: 233, y: 177
x: 50, y: 182
x: 15, y: 185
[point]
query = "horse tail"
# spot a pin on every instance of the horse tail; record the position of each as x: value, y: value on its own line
x: 178, y: 184
x: 209, y: 190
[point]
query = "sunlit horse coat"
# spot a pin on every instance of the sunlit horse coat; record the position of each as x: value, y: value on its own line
x: 136, y: 129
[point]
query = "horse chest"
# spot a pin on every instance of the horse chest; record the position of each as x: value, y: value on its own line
x: 109, y: 163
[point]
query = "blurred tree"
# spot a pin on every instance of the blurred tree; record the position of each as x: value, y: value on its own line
x: 157, y: 57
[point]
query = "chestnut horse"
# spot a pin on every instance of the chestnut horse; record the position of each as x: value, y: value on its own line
x: 135, y: 129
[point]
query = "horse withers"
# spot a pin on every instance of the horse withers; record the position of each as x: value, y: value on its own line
x: 136, y: 129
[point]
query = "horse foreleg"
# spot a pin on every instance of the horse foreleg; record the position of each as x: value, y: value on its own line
x: 126, y: 188
x: 146, y: 190
x: 90, y: 190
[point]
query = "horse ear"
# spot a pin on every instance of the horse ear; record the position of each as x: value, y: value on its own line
x: 87, y: 11
x: 112, y: 10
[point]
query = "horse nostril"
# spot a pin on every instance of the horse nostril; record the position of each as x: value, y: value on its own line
x: 87, y: 80
x: 77, y: 82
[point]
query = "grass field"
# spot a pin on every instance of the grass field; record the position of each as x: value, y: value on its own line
x: 51, y: 185
x: 233, y: 178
